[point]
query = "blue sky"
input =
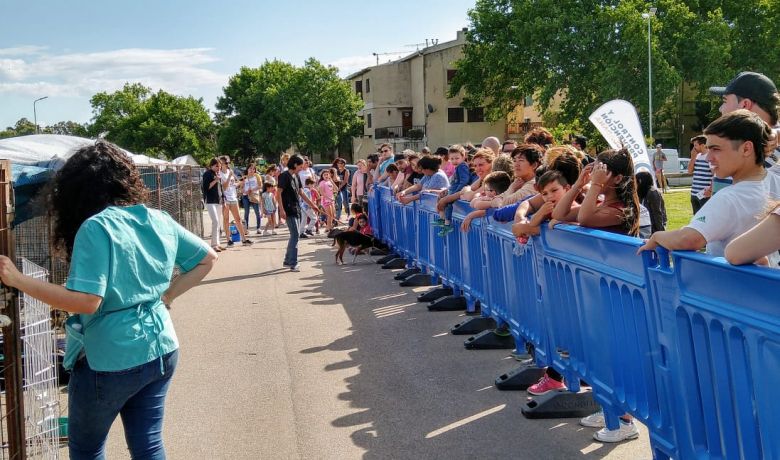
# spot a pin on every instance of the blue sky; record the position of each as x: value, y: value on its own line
x: 71, y: 50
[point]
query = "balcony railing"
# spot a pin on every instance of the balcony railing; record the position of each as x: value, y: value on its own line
x: 522, y: 128
x: 397, y: 132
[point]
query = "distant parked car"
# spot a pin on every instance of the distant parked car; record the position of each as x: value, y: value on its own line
x: 320, y: 166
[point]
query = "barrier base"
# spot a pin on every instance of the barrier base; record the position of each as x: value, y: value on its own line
x: 377, y: 252
x: 407, y: 273
x: 487, y: 340
x: 435, y: 293
x: 398, y: 262
x: 416, y: 280
x: 473, y: 326
x: 448, y: 303
x: 387, y: 258
x: 476, y: 309
x: 519, y: 379
x: 561, y: 404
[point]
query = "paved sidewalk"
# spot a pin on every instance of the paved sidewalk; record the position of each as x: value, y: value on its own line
x: 338, y: 362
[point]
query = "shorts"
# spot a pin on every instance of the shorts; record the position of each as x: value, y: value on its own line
x: 325, y: 204
x: 269, y: 213
x: 229, y: 202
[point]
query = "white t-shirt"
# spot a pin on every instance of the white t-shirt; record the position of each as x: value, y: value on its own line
x: 230, y: 191
x: 250, y: 183
x: 730, y: 213
x: 305, y: 174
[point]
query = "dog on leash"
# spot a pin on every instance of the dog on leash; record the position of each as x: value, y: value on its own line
x: 351, y: 239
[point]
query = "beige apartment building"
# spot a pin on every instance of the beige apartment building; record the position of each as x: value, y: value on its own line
x: 406, y: 104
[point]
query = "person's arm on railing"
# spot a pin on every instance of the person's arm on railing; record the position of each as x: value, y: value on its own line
x: 471, y: 216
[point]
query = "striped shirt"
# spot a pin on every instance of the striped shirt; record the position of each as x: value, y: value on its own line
x: 702, y: 174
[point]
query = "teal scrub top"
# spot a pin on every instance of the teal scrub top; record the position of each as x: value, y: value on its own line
x: 126, y: 255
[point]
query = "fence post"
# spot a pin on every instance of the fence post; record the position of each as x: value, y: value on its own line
x: 159, y: 185
x: 12, y: 370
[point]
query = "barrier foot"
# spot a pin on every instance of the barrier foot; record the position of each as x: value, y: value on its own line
x: 407, y: 273
x: 473, y: 326
x: 396, y: 263
x: 520, y: 378
x: 487, y: 340
x: 435, y: 293
x: 377, y: 252
x: 416, y: 280
x: 387, y: 258
x: 448, y: 303
x: 474, y: 309
x: 561, y: 404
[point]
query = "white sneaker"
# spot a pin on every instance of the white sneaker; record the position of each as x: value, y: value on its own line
x: 295, y: 268
x: 624, y: 432
x: 258, y: 232
x: 266, y: 233
x: 593, y: 420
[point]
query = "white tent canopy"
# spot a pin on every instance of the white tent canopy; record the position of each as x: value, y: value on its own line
x: 188, y: 160
x: 52, y: 150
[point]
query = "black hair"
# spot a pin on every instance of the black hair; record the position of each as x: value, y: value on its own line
x: 499, y: 181
x: 441, y: 151
x: 533, y: 153
x: 549, y: 177
x: 391, y: 168
x: 356, y: 208
x: 700, y: 139
x: 539, y: 172
x: 569, y: 165
x: 267, y: 186
x: 250, y: 165
x: 581, y: 140
x: 373, y: 158
x: 429, y: 163
x: 309, y: 181
x: 294, y: 161
x: 743, y: 126
x: 620, y: 162
x: 214, y: 161
x: 94, y: 178
x: 644, y: 182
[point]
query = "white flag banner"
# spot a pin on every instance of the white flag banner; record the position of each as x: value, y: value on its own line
x: 619, y: 123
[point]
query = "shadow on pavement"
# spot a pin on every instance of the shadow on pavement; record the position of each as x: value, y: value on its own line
x: 418, y: 393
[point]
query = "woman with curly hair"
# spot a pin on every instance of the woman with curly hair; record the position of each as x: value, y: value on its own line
x: 122, y: 349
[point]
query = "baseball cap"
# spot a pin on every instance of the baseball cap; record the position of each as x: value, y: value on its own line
x: 749, y: 85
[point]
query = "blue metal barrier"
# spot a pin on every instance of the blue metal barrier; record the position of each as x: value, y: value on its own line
x: 438, y: 263
x: 723, y: 337
x: 374, y: 215
x: 599, y: 310
x: 690, y: 348
x: 386, y: 219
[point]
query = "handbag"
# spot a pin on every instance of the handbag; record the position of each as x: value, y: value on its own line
x: 254, y: 196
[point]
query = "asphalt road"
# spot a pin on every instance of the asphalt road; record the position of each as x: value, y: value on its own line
x: 338, y: 362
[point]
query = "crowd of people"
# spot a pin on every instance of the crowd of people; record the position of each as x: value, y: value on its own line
x: 735, y: 195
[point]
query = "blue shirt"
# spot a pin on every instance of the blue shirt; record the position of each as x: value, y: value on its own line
x: 384, y: 165
x: 126, y: 255
x: 460, y: 179
x: 436, y: 181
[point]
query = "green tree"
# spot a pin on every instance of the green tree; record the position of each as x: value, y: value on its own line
x: 69, y: 128
x: 157, y: 124
x: 586, y: 52
x: 269, y: 108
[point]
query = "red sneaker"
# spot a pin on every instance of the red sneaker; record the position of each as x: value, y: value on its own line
x: 545, y: 385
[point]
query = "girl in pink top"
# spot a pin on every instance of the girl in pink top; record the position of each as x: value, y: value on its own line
x: 328, y: 194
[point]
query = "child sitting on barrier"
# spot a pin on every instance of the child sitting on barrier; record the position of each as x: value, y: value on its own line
x: 460, y: 178
x: 755, y: 244
x: 494, y: 184
x: 613, y: 177
x: 433, y: 179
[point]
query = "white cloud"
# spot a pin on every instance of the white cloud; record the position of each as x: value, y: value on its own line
x: 32, y: 72
x: 351, y: 64
x: 25, y: 50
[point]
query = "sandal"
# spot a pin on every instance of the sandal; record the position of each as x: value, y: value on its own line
x: 217, y: 248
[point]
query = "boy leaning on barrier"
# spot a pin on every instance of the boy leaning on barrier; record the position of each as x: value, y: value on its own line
x: 737, y: 142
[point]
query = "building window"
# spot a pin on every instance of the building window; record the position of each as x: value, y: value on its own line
x: 450, y: 75
x: 455, y: 115
x: 368, y: 121
x: 368, y: 85
x: 476, y: 115
x: 359, y: 87
x: 529, y: 101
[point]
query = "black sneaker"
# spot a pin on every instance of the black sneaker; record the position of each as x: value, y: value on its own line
x: 309, y: 232
x: 247, y: 242
x: 230, y: 243
x: 303, y: 235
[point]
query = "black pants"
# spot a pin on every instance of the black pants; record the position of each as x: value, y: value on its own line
x: 697, y: 203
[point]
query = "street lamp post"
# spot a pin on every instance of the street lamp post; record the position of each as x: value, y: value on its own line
x: 649, y: 16
x: 35, y: 112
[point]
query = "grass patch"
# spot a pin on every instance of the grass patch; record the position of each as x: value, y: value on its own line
x: 678, y: 208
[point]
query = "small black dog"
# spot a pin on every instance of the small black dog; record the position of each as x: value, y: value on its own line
x: 352, y: 239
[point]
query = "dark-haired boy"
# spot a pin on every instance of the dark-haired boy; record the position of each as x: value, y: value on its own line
x: 736, y: 142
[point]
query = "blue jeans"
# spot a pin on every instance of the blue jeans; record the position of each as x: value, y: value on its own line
x: 136, y: 394
x: 255, y: 206
x: 342, y: 202
x: 291, y: 256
